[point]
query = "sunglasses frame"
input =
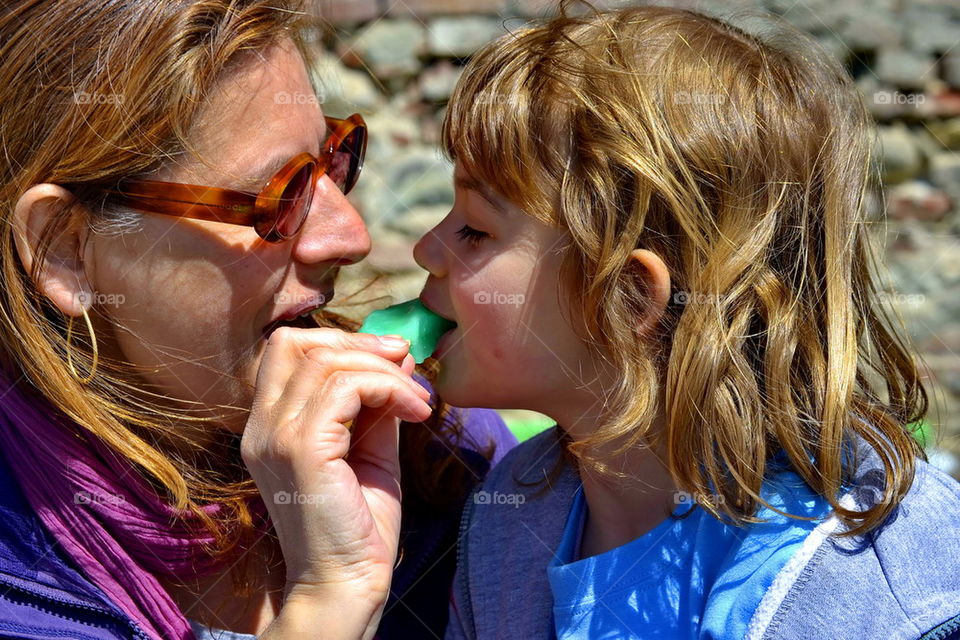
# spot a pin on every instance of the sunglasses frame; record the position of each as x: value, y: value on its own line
x: 258, y: 210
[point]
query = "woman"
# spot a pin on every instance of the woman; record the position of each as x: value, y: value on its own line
x: 173, y: 434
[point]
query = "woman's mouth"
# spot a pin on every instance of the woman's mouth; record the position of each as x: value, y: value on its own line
x: 300, y: 316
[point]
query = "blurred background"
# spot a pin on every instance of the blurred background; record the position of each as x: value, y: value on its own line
x: 397, y: 61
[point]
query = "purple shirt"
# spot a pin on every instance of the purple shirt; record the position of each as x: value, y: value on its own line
x: 43, y: 595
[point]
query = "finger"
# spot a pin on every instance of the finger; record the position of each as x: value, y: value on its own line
x: 287, y: 346
x: 319, y: 364
x: 345, y: 393
x: 375, y: 441
x: 408, y: 365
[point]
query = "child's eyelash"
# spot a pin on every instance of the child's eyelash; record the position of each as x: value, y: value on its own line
x: 471, y: 235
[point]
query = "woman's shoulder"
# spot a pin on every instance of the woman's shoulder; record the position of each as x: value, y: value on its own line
x: 41, y: 594
x: 483, y: 430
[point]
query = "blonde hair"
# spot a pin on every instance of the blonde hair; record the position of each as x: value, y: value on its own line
x: 746, y: 162
x: 155, y: 62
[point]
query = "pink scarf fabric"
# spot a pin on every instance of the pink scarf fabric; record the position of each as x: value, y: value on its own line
x: 107, y: 518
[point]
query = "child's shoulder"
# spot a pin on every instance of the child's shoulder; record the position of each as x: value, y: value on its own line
x: 900, y: 580
x: 529, y: 461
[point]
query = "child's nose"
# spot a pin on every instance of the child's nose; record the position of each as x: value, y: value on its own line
x: 428, y: 253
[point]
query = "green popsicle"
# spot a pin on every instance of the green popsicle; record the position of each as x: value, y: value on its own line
x: 414, y: 322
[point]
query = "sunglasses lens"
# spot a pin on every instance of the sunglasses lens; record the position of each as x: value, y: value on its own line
x: 295, y: 203
x: 345, y: 165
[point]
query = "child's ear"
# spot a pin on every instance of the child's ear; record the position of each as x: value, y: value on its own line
x: 653, y: 279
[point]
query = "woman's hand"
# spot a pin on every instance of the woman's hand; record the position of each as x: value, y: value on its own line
x: 321, y: 445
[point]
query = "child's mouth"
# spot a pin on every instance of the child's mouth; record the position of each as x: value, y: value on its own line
x: 444, y: 343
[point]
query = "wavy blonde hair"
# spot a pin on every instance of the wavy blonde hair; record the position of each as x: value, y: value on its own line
x: 746, y: 161
x: 158, y: 61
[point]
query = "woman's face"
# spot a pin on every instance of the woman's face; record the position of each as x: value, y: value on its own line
x: 496, y: 271
x: 192, y: 298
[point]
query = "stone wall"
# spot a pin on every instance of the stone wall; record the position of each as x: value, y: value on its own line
x: 396, y: 63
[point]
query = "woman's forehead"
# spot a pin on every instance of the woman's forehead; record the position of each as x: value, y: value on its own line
x: 258, y: 116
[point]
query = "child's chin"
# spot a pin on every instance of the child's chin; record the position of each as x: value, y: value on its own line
x: 457, y: 390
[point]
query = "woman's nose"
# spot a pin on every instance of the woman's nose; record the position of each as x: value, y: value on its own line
x: 333, y: 229
x: 428, y: 252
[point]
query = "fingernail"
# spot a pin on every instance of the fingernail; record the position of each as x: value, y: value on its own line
x: 394, y: 342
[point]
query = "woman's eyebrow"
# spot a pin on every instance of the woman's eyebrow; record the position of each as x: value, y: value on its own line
x: 470, y: 184
x: 269, y: 168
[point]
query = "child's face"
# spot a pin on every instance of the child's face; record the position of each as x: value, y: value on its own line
x: 495, y: 271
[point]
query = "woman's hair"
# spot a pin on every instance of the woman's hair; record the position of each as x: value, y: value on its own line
x: 92, y: 91
x: 746, y: 162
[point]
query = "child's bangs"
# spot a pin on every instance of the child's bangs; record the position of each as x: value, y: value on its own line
x: 493, y: 129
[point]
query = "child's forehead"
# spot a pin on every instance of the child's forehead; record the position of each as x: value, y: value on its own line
x: 462, y: 179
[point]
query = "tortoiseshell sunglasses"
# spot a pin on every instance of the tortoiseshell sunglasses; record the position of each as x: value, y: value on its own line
x: 276, y: 213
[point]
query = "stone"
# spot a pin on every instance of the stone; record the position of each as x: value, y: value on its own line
x: 905, y: 68
x: 412, y: 179
x: 438, y: 81
x: 430, y: 8
x: 901, y: 156
x: 810, y: 16
x: 951, y: 68
x: 391, y: 47
x: 930, y: 30
x: 945, y: 171
x: 867, y: 30
x: 946, y: 132
x: 460, y: 37
x: 416, y: 222
x: 944, y: 104
x: 343, y: 90
x: 350, y: 12
x: 917, y: 200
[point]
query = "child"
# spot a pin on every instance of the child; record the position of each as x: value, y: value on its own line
x: 659, y: 240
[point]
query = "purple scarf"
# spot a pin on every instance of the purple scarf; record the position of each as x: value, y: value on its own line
x: 107, y: 518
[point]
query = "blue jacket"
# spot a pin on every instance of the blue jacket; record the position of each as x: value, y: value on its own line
x: 44, y: 596
x: 900, y: 582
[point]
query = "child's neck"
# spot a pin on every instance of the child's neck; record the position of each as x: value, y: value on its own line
x: 622, y: 510
x: 618, y: 513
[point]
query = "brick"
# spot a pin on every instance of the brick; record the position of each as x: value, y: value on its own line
x: 427, y: 8
x: 349, y: 12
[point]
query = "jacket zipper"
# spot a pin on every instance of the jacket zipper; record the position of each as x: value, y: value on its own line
x: 944, y: 630
x: 137, y: 632
x: 466, y: 612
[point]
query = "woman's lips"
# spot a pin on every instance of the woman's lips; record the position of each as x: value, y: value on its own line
x: 293, y: 315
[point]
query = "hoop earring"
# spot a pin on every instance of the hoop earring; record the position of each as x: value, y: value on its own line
x: 93, y: 342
